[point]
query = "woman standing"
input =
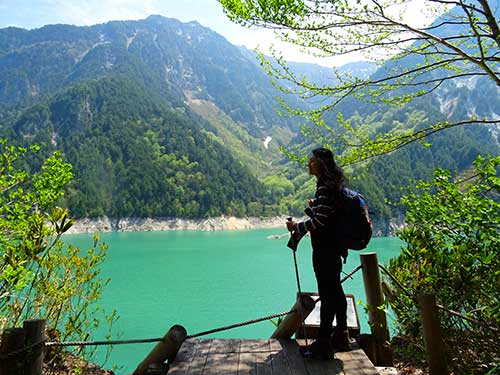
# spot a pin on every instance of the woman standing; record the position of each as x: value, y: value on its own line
x: 327, y: 252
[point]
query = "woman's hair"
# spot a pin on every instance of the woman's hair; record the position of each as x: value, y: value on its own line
x: 330, y: 173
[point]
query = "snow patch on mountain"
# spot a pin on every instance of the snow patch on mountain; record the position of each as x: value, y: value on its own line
x: 267, y: 141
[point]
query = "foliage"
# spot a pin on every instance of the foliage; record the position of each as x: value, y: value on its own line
x: 39, y: 275
x: 127, y: 126
x: 135, y: 157
x: 419, y: 60
x: 453, y: 250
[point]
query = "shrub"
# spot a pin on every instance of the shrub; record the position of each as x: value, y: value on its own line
x: 41, y: 277
x: 453, y: 250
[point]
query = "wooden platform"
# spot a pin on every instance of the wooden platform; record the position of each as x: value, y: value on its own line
x: 261, y: 357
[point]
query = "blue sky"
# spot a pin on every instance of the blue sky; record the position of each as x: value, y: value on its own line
x: 36, y: 13
x: 31, y: 14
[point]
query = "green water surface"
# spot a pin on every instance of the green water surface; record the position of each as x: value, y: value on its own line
x: 204, y: 280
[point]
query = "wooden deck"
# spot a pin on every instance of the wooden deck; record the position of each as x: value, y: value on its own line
x: 261, y: 357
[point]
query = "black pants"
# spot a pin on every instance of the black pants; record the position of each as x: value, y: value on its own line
x: 333, y: 302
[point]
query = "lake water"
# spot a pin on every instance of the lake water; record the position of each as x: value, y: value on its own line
x: 204, y: 280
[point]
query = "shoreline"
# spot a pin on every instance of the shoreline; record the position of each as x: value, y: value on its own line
x: 130, y: 224
x: 221, y: 223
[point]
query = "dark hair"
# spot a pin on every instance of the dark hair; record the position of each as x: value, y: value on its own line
x: 330, y: 173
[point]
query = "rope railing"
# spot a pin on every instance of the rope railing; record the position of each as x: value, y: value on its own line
x: 157, y: 339
x: 349, y: 275
x: 439, y: 306
x: 236, y: 325
x: 104, y: 342
x: 138, y: 341
x: 24, y: 349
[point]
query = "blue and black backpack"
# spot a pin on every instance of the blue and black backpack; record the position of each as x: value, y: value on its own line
x: 354, y: 226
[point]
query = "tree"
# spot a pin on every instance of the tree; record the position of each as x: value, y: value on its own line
x: 40, y: 276
x: 463, y: 42
x: 452, y: 249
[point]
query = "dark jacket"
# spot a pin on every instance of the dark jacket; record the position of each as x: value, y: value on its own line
x: 323, y: 217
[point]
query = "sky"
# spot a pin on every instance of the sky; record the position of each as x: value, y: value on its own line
x: 32, y: 14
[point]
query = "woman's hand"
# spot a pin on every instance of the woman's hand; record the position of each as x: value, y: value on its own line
x: 291, y: 225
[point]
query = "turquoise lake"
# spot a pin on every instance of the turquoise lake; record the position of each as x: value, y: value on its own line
x: 204, y: 280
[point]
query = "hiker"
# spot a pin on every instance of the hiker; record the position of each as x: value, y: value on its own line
x: 327, y: 253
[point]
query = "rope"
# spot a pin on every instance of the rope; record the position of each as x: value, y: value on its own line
x: 396, y: 281
x: 348, y: 275
x: 248, y: 322
x: 97, y: 343
x: 157, y: 339
x: 439, y: 306
x: 26, y: 348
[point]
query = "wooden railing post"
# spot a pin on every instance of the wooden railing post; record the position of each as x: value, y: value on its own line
x: 12, y: 340
x: 376, y: 314
x: 35, y: 334
x: 165, y: 349
x: 289, y: 325
x: 432, y: 334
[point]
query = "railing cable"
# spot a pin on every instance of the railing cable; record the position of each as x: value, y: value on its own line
x: 26, y: 348
x: 157, y: 339
x: 104, y: 342
x: 248, y: 322
x: 439, y: 306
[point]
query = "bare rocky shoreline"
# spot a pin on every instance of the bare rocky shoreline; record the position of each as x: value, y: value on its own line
x: 106, y: 224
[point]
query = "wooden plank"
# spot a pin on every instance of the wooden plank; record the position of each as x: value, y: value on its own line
x: 263, y: 359
x: 254, y: 346
x: 223, y: 357
x: 197, y: 365
x: 246, y: 363
x: 180, y: 365
x: 248, y: 355
x: 255, y: 357
x: 356, y: 363
x: 321, y: 367
x: 316, y: 367
x: 293, y: 357
x: 223, y: 346
x: 186, y: 351
x: 278, y: 358
x: 275, y: 345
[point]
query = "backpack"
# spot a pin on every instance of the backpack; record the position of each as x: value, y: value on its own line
x: 354, y: 227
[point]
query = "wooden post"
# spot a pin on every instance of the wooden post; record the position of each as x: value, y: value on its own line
x: 432, y: 334
x: 12, y: 340
x: 303, y: 307
x: 165, y: 349
x: 376, y: 315
x: 35, y: 333
x: 366, y: 342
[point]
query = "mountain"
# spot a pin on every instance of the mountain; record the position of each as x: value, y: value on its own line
x: 164, y: 118
x: 121, y: 101
x: 180, y: 61
x: 323, y: 76
x: 133, y: 156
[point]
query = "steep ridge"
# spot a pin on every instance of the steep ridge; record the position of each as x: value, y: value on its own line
x: 133, y: 156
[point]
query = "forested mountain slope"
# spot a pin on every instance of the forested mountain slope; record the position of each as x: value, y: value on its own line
x: 133, y: 156
x: 164, y: 118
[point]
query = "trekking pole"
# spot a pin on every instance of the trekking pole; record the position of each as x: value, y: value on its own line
x: 301, y: 316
